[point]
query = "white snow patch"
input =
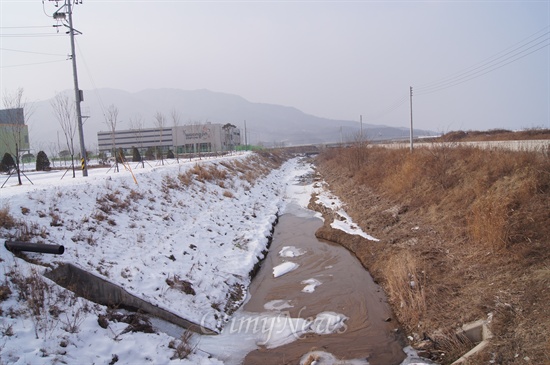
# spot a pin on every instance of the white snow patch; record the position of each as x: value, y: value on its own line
x: 329, y: 322
x: 284, y: 268
x: 311, y: 285
x: 344, y: 221
x: 350, y: 228
x: 277, y: 305
x: 325, y: 358
x: 291, y: 251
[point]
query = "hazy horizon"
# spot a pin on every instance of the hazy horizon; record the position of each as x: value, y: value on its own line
x: 472, y: 64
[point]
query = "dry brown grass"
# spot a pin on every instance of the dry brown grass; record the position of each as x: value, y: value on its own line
x: 472, y: 226
x: 182, y: 347
x: 6, y: 219
x: 404, y: 283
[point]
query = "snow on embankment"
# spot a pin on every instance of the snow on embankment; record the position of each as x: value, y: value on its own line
x: 342, y: 221
x: 185, y: 238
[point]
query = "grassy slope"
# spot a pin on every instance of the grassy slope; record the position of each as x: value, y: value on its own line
x: 470, y: 228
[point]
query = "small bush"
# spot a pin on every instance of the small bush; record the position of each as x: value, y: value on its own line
x: 42, y: 161
x: 181, y: 285
x: 136, y: 156
x: 186, y: 178
x: 5, y: 292
x: 6, y: 219
x: 7, y: 163
x: 182, y: 348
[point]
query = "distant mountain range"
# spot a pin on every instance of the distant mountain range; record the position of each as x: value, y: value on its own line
x: 266, y: 124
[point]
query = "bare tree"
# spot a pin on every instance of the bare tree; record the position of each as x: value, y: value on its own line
x: 160, y: 122
x: 14, y: 135
x: 228, y: 129
x: 111, y: 119
x: 64, y: 111
x: 175, y: 123
x: 197, y: 128
x: 53, y: 150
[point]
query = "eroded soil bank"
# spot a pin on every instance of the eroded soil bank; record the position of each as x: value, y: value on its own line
x: 327, y: 278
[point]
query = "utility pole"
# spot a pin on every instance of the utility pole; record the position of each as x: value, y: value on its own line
x: 245, y: 138
x: 59, y: 15
x: 361, y: 126
x: 411, y: 103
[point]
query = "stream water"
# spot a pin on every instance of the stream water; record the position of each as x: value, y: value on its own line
x: 326, y: 278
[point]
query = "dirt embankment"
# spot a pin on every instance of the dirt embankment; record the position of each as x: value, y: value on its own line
x: 464, y: 235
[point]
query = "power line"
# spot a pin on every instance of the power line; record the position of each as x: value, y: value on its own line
x: 29, y: 35
x: 27, y: 27
x: 490, y: 64
x: 487, y: 60
x: 32, y: 64
x: 486, y: 70
x: 388, y: 109
x: 40, y: 53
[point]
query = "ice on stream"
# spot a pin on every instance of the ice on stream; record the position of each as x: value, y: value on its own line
x: 291, y: 251
x: 311, y: 284
x: 284, y: 268
x: 277, y: 305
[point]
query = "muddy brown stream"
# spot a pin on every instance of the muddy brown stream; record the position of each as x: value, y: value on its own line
x: 345, y: 287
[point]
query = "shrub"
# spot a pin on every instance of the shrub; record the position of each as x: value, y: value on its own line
x: 170, y: 154
x: 136, y: 156
x: 42, y: 161
x: 182, y: 348
x: 7, y: 163
x: 6, y: 219
x: 185, y: 286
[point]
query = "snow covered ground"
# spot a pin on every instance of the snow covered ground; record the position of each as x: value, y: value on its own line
x: 184, y: 237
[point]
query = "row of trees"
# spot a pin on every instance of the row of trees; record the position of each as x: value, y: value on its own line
x: 8, y: 163
x: 64, y: 111
x: 136, y: 124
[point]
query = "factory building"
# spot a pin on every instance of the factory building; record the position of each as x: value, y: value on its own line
x: 14, y: 133
x: 195, y: 138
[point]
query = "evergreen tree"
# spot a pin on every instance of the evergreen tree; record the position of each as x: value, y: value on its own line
x: 7, y: 163
x: 136, y: 156
x: 42, y: 161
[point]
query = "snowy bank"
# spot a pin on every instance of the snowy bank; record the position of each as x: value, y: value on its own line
x: 184, y: 238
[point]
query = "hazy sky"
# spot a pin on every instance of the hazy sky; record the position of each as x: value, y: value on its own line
x: 334, y: 59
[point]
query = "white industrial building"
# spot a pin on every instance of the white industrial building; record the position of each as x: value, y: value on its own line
x: 195, y: 138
